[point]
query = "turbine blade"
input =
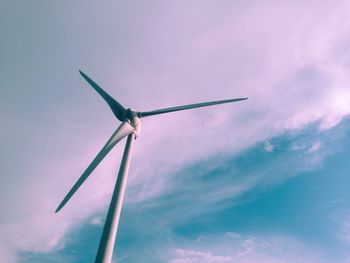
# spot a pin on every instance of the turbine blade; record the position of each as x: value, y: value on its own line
x: 123, y: 130
x: 115, y: 106
x: 186, y: 107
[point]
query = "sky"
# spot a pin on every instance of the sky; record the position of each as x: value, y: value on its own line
x: 264, y: 180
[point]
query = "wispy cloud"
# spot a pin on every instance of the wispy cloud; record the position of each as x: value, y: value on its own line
x: 246, y: 249
x: 344, y: 233
x: 268, y: 146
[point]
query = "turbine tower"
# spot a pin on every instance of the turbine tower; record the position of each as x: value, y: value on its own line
x: 130, y: 128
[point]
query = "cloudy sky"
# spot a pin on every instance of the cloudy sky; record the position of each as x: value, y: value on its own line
x: 265, y: 180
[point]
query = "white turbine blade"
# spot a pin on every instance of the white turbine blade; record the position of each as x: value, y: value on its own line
x: 123, y: 130
x: 186, y: 107
x: 115, y: 106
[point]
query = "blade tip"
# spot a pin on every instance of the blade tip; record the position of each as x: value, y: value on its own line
x: 59, y: 207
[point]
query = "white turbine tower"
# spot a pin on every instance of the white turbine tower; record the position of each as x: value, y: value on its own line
x: 130, y: 127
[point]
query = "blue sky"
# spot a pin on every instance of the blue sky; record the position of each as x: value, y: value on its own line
x: 264, y: 180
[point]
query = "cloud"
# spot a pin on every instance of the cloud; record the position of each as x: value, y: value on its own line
x: 246, y: 249
x: 38, y: 234
x: 96, y: 221
x: 268, y: 146
x: 315, y: 147
x: 7, y: 254
x: 289, y: 90
x: 186, y: 256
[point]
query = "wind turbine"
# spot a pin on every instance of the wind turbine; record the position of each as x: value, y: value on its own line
x: 130, y: 128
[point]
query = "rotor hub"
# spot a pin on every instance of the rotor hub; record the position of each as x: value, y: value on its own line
x: 131, y: 117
